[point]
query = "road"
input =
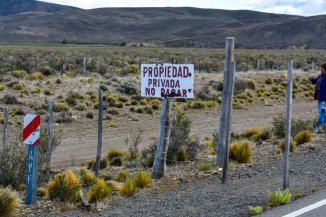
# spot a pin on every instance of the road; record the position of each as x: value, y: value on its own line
x: 310, y: 206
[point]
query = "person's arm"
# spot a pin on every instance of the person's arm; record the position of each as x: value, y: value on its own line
x: 314, y: 80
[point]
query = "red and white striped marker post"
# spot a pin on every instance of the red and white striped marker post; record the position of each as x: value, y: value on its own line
x: 31, y: 137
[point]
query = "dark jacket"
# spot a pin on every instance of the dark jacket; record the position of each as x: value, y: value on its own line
x: 321, y: 94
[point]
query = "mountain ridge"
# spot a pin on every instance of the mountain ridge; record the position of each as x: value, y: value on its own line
x: 171, y: 27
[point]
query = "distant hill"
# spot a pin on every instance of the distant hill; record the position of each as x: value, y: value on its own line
x: 10, y: 7
x: 172, y: 27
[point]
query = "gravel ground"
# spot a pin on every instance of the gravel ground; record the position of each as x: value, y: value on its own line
x: 203, y: 194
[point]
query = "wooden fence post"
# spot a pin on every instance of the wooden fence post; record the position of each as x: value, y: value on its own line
x: 5, y: 127
x: 229, y: 57
x: 84, y: 66
x: 99, y: 145
x: 228, y: 124
x: 288, y: 126
x: 49, y: 147
x: 159, y: 166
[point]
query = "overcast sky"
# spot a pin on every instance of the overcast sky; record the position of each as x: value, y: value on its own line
x: 298, y: 7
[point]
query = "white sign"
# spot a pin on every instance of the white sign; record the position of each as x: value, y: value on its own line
x: 31, y: 129
x: 167, y: 80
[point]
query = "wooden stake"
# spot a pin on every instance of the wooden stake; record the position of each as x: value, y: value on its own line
x: 159, y: 166
x: 229, y: 57
x: 49, y: 147
x: 288, y: 126
x: 84, y: 66
x: 99, y: 145
x: 5, y: 126
x: 228, y: 123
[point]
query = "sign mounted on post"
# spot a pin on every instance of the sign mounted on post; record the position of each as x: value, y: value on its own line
x: 31, y: 130
x: 31, y: 137
x: 167, y: 80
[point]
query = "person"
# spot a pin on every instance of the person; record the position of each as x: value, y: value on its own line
x: 320, y: 95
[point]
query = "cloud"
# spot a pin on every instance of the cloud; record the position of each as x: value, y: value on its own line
x: 298, y: 7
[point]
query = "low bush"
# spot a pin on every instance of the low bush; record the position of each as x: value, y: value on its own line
x: 257, y: 210
x: 263, y: 135
x: 99, y: 191
x: 122, y: 176
x: 60, y: 106
x: 269, y: 81
x: 42, y: 192
x: 148, y: 155
x: 128, y: 87
x: 64, y: 187
x: 115, y: 156
x: 250, y: 132
x: 297, y: 125
x: 251, y: 84
x: 132, y: 142
x: 46, y: 70
x: 128, y: 188
x: 206, y: 166
x: 281, y: 147
x: 87, y: 177
x: 303, y: 137
x: 241, y: 151
x: 2, y: 87
x: 113, y: 111
x: 143, y: 179
x: 10, y: 99
x: 9, y: 202
x: 19, y: 74
x: 279, y: 197
x: 37, y: 75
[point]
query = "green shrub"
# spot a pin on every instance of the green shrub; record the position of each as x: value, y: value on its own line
x: 46, y: 70
x: 60, y: 106
x: 303, y: 137
x: 251, y: 84
x: 143, y: 179
x: 269, y: 81
x: 64, y: 187
x: 2, y: 87
x: 241, y: 151
x: 48, y: 92
x: 298, y: 195
x: 20, y: 74
x: 37, y: 75
x: 128, y: 188
x: 297, y: 125
x: 113, y: 111
x: 279, y: 197
x: 206, y: 166
x: 128, y: 88
x: 263, y: 135
x: 10, y: 99
x: 99, y: 191
x: 133, y: 69
x: 9, y: 202
x: 180, y: 147
x: 140, y: 110
x: 257, y: 210
x: 81, y: 107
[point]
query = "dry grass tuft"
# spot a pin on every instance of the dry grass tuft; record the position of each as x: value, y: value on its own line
x: 303, y: 137
x: 128, y: 188
x: 9, y: 202
x: 87, y: 177
x: 99, y: 191
x: 122, y: 176
x: 143, y: 179
x: 281, y: 147
x: 241, y: 151
x: 64, y: 187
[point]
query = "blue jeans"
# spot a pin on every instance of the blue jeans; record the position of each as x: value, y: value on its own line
x: 321, y: 115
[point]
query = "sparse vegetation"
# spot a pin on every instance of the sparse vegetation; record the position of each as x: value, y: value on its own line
x: 64, y: 187
x: 115, y: 156
x: 257, y: 210
x: 128, y: 188
x: 241, y: 151
x: 142, y: 179
x: 303, y: 137
x: 279, y: 197
x: 99, y: 191
x: 205, y: 166
x: 9, y: 202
